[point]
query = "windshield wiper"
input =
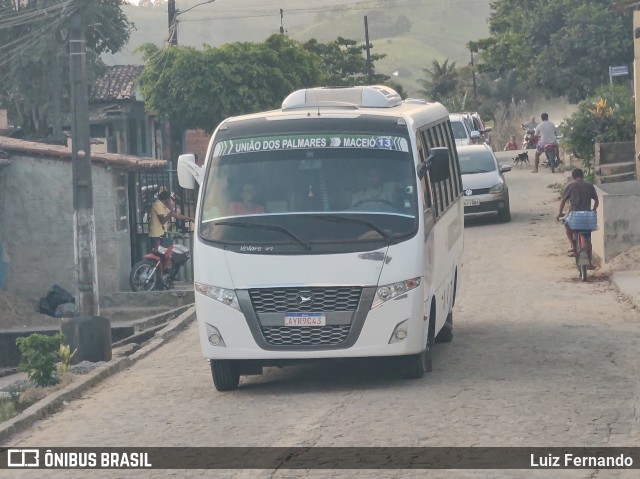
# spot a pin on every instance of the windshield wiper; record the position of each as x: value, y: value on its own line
x: 348, y: 219
x: 265, y: 227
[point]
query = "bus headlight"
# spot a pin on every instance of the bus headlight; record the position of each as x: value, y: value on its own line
x: 390, y: 291
x: 225, y: 296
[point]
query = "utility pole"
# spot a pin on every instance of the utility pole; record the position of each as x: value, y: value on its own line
x: 173, y: 22
x: 473, y: 76
x: 281, y: 21
x: 175, y: 138
x: 87, y: 332
x: 175, y: 146
x: 56, y: 86
x: 85, y: 241
x: 366, y: 38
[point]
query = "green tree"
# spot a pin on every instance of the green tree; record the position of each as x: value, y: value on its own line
x: 607, y: 116
x: 441, y: 81
x: 33, y: 50
x: 198, y: 88
x: 565, y: 47
x: 345, y: 63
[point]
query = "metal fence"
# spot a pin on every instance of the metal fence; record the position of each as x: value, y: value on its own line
x: 144, y: 192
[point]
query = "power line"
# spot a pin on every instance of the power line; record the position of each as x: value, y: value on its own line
x: 307, y: 11
x: 24, y: 17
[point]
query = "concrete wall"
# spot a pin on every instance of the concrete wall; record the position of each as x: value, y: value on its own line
x: 615, y: 152
x: 36, y: 226
x: 619, y: 228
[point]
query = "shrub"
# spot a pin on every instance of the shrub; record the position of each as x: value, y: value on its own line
x: 65, y: 355
x: 607, y: 116
x: 39, y: 356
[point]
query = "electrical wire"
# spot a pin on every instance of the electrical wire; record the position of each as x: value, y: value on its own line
x: 37, y: 34
x: 330, y: 8
x: 25, y: 17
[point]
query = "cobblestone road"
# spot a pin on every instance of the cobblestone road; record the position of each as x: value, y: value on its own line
x: 538, y: 359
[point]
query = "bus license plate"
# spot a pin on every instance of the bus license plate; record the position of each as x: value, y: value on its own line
x: 305, y: 319
x: 471, y: 202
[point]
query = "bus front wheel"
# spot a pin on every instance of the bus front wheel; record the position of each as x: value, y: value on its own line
x: 226, y: 374
x: 446, y: 333
x: 418, y: 364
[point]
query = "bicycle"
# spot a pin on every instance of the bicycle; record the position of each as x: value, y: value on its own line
x: 582, y: 243
x: 581, y: 223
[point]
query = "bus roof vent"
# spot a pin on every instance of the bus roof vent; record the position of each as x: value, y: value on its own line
x: 376, y: 96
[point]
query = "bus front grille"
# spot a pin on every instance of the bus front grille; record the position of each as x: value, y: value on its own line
x: 295, y: 300
x: 306, y: 336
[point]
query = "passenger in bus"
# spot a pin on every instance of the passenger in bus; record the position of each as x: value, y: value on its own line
x: 376, y: 190
x: 247, y: 205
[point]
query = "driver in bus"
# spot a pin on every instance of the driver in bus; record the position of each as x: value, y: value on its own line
x: 376, y: 190
x: 247, y: 205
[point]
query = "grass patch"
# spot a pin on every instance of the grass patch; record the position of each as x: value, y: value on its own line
x: 24, y: 394
x: 14, y: 403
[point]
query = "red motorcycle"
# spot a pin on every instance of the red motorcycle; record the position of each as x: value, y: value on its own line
x: 159, y: 268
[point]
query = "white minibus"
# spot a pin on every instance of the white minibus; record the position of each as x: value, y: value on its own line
x: 330, y: 228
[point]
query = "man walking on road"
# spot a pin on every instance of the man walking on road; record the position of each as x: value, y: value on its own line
x: 579, y: 193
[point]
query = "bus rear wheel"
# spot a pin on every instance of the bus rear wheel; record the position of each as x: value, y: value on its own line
x: 226, y: 374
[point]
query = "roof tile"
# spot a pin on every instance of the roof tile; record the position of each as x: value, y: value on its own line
x: 118, y: 83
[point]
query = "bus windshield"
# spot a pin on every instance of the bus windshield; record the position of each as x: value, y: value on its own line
x: 309, y: 193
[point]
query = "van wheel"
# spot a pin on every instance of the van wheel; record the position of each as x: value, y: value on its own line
x: 446, y: 333
x: 226, y: 374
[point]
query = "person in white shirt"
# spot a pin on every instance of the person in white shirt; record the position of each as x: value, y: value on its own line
x: 547, y: 135
x: 376, y: 190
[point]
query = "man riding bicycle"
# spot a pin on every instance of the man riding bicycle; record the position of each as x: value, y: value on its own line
x: 579, y: 193
x: 548, y: 135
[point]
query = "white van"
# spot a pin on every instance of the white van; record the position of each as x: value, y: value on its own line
x: 331, y: 228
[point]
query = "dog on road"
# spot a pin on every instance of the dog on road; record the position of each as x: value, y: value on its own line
x: 521, y: 159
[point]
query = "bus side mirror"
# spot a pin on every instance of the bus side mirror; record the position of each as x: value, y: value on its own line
x: 188, y: 172
x: 437, y: 164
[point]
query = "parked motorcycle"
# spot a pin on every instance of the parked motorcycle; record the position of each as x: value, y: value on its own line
x: 159, y: 268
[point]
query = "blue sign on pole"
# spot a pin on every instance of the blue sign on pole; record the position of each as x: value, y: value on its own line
x: 617, y: 71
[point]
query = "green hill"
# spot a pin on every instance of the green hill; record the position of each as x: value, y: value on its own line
x: 411, y: 33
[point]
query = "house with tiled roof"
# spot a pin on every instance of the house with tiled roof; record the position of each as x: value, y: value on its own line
x: 119, y: 121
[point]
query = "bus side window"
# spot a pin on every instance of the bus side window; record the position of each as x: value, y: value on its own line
x: 427, y: 198
x: 436, y: 188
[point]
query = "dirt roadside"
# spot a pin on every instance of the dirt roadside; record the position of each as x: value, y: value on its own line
x: 19, y: 312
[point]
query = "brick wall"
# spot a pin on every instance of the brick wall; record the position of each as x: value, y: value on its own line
x: 197, y: 141
x: 36, y: 227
